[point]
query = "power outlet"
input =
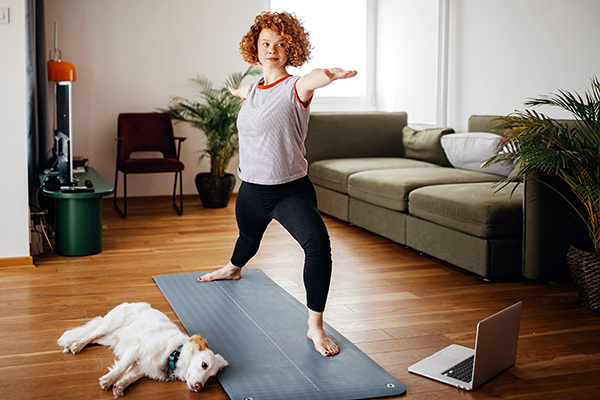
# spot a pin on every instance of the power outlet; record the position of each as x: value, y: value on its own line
x: 4, y: 15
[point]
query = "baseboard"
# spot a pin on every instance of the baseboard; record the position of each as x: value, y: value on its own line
x: 16, y: 262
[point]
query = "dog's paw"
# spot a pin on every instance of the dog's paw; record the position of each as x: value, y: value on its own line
x: 106, y: 381
x: 76, y: 347
x: 69, y: 347
x: 73, y: 347
x: 118, y: 390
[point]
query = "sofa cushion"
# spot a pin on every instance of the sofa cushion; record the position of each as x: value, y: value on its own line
x: 390, y: 188
x: 333, y: 174
x: 470, y: 151
x: 354, y: 134
x: 425, y: 145
x: 471, y: 208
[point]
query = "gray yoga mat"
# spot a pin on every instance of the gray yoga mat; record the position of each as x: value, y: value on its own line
x: 260, y: 329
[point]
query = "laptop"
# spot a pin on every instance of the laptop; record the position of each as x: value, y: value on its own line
x: 495, y: 351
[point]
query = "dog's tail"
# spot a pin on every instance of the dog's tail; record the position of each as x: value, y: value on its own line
x: 76, y: 339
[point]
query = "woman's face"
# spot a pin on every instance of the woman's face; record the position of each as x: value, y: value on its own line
x: 271, y: 50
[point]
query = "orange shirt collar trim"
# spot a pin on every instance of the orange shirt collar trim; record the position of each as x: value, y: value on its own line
x: 260, y: 86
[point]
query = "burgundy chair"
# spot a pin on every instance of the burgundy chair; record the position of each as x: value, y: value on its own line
x: 147, y: 132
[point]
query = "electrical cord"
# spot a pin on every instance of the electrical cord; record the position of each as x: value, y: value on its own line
x: 42, y: 214
x: 46, y: 235
x: 49, y: 170
x: 43, y: 223
x: 38, y: 233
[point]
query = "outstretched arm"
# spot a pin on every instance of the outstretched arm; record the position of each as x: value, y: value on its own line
x: 305, y: 87
x: 240, y: 92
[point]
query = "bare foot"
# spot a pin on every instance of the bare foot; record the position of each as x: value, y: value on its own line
x: 228, y: 272
x: 322, y: 343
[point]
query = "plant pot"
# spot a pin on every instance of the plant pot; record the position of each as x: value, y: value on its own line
x: 584, y: 264
x: 215, y: 191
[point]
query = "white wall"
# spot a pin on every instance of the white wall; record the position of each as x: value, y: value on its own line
x: 406, y: 62
x: 500, y: 53
x: 504, y: 51
x: 133, y: 56
x: 14, y: 214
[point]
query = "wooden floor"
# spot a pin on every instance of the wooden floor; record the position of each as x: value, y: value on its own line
x: 395, y: 304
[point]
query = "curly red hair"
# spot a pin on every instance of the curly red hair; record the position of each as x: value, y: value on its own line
x: 296, y: 38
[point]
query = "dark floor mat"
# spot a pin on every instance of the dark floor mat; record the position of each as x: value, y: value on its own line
x: 260, y: 329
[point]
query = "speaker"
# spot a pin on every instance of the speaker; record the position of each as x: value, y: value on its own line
x: 52, y: 183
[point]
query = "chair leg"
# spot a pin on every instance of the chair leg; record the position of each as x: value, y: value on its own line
x: 122, y: 213
x: 180, y: 208
x: 116, y: 185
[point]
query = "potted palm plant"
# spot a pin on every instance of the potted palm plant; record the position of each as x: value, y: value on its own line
x: 570, y: 151
x: 215, y: 115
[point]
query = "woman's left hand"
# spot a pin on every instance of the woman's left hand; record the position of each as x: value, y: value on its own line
x: 318, y: 78
x: 338, y: 73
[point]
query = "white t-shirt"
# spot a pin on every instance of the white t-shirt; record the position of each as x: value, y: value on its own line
x: 272, y: 126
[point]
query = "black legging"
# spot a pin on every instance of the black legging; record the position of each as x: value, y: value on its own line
x: 294, y: 206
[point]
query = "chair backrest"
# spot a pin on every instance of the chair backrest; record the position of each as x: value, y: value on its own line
x: 145, y: 132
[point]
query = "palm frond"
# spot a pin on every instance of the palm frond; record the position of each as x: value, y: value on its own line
x: 567, y: 149
x: 215, y: 115
x: 236, y: 79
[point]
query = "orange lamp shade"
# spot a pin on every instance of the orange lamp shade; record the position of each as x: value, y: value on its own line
x: 61, y: 71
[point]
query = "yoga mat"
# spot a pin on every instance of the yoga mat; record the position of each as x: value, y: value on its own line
x: 260, y: 329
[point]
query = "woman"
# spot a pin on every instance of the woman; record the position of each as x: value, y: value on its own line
x: 272, y: 125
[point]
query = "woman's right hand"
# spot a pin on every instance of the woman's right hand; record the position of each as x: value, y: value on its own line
x: 240, y: 92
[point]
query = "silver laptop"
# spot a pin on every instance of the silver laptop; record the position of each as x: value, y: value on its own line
x: 495, y: 351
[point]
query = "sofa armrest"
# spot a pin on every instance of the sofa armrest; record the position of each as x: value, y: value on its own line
x: 549, y: 228
x: 350, y: 135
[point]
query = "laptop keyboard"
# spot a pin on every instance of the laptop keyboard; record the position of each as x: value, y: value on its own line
x: 463, y: 371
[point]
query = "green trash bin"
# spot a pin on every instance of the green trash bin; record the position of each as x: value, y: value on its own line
x: 78, y: 226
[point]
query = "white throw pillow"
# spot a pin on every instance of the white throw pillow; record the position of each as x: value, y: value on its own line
x: 470, y: 150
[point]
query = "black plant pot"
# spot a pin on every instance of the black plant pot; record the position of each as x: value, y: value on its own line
x: 584, y: 264
x: 215, y: 191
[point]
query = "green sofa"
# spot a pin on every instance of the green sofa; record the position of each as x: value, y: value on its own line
x: 368, y: 170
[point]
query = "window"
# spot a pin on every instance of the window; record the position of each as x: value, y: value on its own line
x: 342, y: 35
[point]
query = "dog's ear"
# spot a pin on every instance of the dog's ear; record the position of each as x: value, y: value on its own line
x: 200, y: 341
x: 222, y: 362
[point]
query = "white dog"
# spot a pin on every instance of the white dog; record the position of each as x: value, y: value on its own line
x: 146, y: 343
